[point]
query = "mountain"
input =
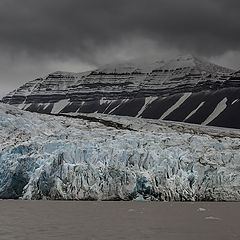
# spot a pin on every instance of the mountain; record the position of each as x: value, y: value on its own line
x: 185, y: 89
x: 103, y: 157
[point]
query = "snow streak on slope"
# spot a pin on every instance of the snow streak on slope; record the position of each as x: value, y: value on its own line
x: 235, y: 101
x: 104, y: 157
x: 219, y: 108
x: 57, y: 107
x: 148, y: 100
x: 176, y: 105
x: 194, y: 111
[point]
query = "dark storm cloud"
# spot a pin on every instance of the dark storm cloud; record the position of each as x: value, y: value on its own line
x: 79, y: 28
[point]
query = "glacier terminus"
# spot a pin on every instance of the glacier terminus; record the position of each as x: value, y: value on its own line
x: 103, y: 157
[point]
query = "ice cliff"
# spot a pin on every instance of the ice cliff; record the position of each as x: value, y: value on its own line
x: 115, y: 158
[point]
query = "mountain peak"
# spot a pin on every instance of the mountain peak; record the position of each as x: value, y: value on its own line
x: 186, y: 57
x: 146, y: 88
x: 187, y: 62
x: 190, y: 61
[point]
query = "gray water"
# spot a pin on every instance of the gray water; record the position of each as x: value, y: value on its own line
x: 65, y: 220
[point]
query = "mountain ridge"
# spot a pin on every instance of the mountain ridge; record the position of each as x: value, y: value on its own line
x: 177, y: 89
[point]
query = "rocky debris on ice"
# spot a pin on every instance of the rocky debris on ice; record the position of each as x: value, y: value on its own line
x: 67, y: 158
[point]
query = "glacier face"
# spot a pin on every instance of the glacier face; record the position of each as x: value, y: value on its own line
x: 50, y: 157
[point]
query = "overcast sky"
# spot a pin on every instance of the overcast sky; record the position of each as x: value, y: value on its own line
x: 41, y: 36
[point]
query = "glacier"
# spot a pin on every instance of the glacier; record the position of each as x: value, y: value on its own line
x: 100, y: 157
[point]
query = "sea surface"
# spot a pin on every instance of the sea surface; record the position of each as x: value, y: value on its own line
x: 67, y: 220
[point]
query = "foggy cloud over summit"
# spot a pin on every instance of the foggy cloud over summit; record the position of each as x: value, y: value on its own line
x: 95, y: 31
x: 69, y: 27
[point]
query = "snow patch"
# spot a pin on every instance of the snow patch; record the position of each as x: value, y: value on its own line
x: 103, y: 101
x: 59, y: 106
x: 176, y: 105
x: 235, y: 101
x: 46, y: 106
x: 217, y: 111
x: 123, y: 101
x: 148, y: 101
x: 194, y: 111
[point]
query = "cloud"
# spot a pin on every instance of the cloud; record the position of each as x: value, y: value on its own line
x: 15, y: 70
x: 83, y: 27
x: 230, y: 59
x: 38, y: 36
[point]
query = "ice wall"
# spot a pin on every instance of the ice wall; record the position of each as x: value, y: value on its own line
x: 47, y: 157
